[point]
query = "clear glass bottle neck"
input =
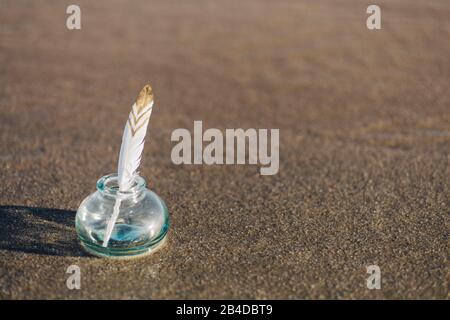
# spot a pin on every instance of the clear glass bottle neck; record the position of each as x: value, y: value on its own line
x: 108, y: 187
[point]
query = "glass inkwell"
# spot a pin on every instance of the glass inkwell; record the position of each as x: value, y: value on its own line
x: 124, y: 219
x: 141, y: 226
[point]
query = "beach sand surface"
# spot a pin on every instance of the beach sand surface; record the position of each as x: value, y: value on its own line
x: 364, y: 119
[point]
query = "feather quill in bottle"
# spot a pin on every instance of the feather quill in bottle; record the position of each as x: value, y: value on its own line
x: 131, y: 151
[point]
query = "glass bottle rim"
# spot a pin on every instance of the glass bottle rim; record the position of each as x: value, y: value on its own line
x: 109, y: 185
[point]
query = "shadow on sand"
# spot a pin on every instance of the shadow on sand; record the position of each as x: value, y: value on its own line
x: 39, y: 230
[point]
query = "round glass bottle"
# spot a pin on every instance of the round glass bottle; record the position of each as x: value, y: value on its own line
x: 141, y: 225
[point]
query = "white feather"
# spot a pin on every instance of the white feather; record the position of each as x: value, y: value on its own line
x: 132, y: 147
x: 130, y: 155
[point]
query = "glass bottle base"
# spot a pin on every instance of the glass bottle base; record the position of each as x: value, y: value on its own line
x: 130, y: 253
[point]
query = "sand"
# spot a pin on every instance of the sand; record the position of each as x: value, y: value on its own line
x: 364, y: 119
